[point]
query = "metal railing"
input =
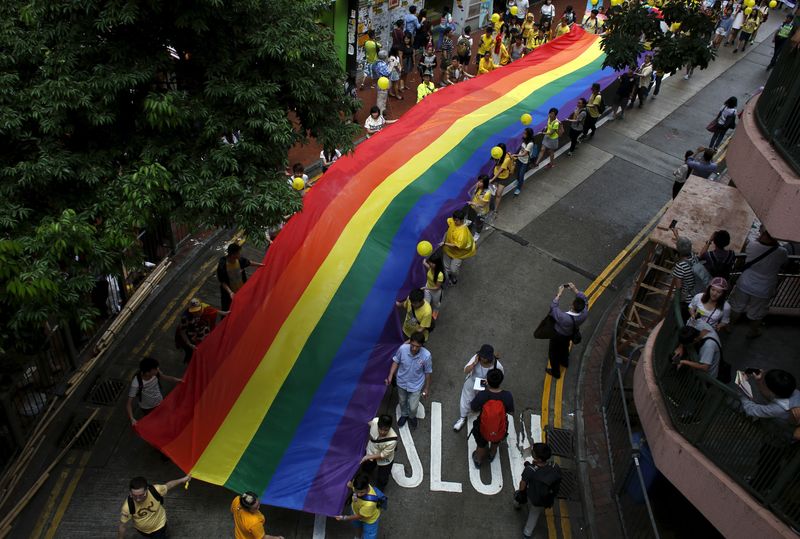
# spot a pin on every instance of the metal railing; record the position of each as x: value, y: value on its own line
x: 778, y: 109
x: 758, y: 454
x: 624, y: 439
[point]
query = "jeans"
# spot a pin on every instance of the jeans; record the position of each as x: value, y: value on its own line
x: 716, y: 138
x: 533, y: 518
x: 368, y: 531
x: 451, y: 267
x: 522, y: 168
x: 409, y: 400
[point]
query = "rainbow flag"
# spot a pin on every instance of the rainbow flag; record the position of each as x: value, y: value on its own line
x: 277, y: 398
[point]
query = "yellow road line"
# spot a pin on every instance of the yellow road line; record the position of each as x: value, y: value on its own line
x: 62, y: 507
x: 55, y: 493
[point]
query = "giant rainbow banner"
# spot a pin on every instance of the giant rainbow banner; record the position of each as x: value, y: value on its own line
x: 277, y: 398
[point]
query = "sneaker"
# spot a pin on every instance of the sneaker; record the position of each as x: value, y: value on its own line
x: 475, y: 460
x: 517, y: 192
x: 402, y: 421
x: 413, y: 422
x: 569, y: 154
x: 458, y: 425
x: 735, y: 51
x: 686, y: 77
x: 477, y: 236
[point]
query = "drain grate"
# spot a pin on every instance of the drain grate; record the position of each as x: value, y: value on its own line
x: 87, y: 438
x: 105, y: 392
x: 561, y: 442
x: 569, y: 485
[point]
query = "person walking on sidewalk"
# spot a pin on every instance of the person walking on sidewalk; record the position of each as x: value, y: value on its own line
x: 413, y: 366
x: 419, y: 314
x: 366, y: 506
x: 576, y: 121
x: 624, y: 94
x: 726, y: 119
x: 538, y: 487
x: 371, y: 48
x: 594, y: 108
x: 491, y: 426
x: 477, y: 368
x: 248, y: 521
x: 434, y: 280
x: 231, y: 274
x: 501, y: 175
x: 145, y: 507
x: 551, y: 133
x: 749, y: 27
x: 380, y: 450
x: 645, y: 74
x: 145, y: 388
x: 567, y: 324
x: 196, y: 322
x: 783, y: 34
x: 523, y: 157
x: 458, y: 245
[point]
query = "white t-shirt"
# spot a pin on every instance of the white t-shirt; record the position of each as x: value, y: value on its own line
x: 386, y: 448
x: 374, y: 124
x: 151, y: 392
x: 712, y: 317
x: 522, y: 8
x: 548, y: 10
x: 336, y: 155
x: 738, y: 20
x: 526, y: 147
x: 760, y: 279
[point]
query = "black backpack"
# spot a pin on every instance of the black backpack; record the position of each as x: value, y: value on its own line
x: 542, y: 491
x: 721, y: 268
x: 159, y: 498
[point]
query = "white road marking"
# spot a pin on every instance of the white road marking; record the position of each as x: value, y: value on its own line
x: 437, y: 484
x: 496, y: 484
x: 514, y: 454
x: 536, y: 428
x: 398, y: 470
x: 319, y: 527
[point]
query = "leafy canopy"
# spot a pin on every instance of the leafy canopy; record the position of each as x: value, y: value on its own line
x: 633, y: 24
x: 112, y: 118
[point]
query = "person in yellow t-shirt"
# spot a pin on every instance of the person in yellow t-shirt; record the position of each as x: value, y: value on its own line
x: 366, y: 513
x: 486, y: 64
x: 248, y: 522
x: 550, y: 140
x: 145, y: 507
x: 593, y: 107
x: 479, y: 205
x: 419, y: 314
x: 458, y: 245
x: 505, y: 58
x: 562, y: 28
x: 501, y: 175
x: 426, y: 87
x: 486, y: 43
x: 434, y: 279
x: 535, y: 38
x: 527, y: 26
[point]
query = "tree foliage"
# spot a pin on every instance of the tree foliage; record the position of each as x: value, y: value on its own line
x: 112, y: 117
x: 633, y: 24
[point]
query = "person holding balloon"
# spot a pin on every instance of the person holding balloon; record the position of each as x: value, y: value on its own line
x: 525, y: 153
x: 381, y: 72
x: 434, y: 281
x: 748, y: 28
x: 478, y: 206
x: 501, y: 173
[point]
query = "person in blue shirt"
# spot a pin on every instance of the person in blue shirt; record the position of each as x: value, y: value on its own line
x: 411, y: 21
x: 700, y: 163
x: 413, y: 367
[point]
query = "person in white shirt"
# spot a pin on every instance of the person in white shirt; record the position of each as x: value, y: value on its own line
x: 380, y: 450
x: 375, y: 121
x: 476, y: 369
x: 522, y: 10
x: 328, y: 158
x: 548, y: 11
x: 645, y: 74
x: 145, y: 388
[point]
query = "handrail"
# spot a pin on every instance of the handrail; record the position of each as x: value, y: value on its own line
x: 758, y: 454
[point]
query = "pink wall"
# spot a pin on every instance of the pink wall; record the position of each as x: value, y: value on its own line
x: 767, y: 182
x: 723, y: 502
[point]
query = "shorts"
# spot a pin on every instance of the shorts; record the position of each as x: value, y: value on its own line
x: 161, y: 533
x: 742, y: 302
x: 744, y: 36
x: 507, y: 181
x: 394, y: 76
x: 550, y: 143
x: 368, y: 531
x: 721, y: 31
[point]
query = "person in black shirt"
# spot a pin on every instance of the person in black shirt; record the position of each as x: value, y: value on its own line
x: 625, y: 90
x: 231, y: 274
x: 491, y: 426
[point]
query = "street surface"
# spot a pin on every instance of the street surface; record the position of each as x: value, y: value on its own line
x: 576, y: 218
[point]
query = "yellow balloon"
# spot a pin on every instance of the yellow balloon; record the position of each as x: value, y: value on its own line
x: 383, y: 83
x: 773, y: 4
x: 594, y: 2
x: 749, y: 3
x: 424, y: 248
x: 514, y: 10
x: 526, y: 119
x: 298, y: 184
x: 495, y: 17
x: 748, y: 11
x: 497, y: 152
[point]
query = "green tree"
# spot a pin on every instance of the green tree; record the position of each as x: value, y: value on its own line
x: 633, y: 24
x: 112, y: 118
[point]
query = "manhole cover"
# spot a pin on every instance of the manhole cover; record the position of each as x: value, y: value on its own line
x: 560, y: 442
x: 569, y: 485
x: 105, y: 392
x: 87, y: 438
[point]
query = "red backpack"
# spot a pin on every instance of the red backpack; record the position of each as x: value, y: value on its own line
x: 493, y: 421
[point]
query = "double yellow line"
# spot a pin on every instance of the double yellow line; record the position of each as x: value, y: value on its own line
x: 593, y: 292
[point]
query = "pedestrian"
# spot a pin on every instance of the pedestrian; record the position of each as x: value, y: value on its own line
x: 398, y: 32
x: 490, y: 428
x: 624, y: 94
x: 145, y: 507
x: 427, y: 61
x: 702, y: 162
x: 455, y: 73
x: 501, y: 175
x: 783, y: 34
x: 569, y: 14
x: 592, y: 24
x: 197, y: 321
x: 380, y: 450
x: 395, y: 68
x: 517, y: 48
x: 418, y: 313
x: 371, y: 48
x: 726, y: 119
x: 779, y: 388
x: 145, y: 388
x: 551, y: 133
x: 412, y: 22
x: 422, y: 38
x: 380, y: 69
x: 446, y: 46
x: 645, y: 75
x: 426, y: 87
x: 548, y: 11
x: 681, y: 174
x: 375, y: 122
x: 476, y: 371
x: 407, y: 53
x: 563, y: 27
x: 523, y: 158
x: 458, y: 245
x: 758, y: 281
x: 594, y: 108
x: 724, y: 26
x: 749, y: 28
x: 434, y: 281
x: 366, y: 506
x: 701, y: 336
x: 329, y: 156
x: 527, y: 30
x: 486, y: 64
x: 485, y: 46
x: 738, y: 21
x: 576, y: 123
x: 464, y: 47
x: 682, y: 273
x: 413, y: 367
x: 711, y: 305
x: 566, y: 328
x: 478, y: 206
x: 248, y: 521
x: 231, y: 272
x: 539, y: 486
x: 658, y: 77
x: 719, y: 261
x: 446, y: 25
x: 522, y: 11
